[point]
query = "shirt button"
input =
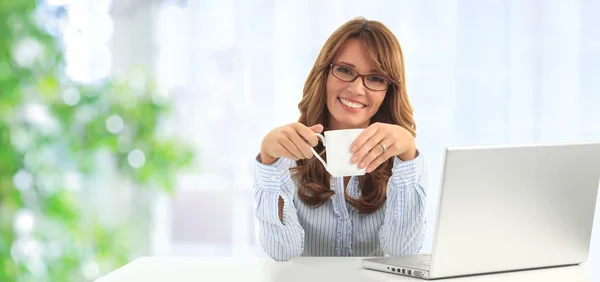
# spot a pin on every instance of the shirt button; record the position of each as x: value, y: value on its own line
x: 281, y: 171
x: 273, y: 178
x: 403, y: 175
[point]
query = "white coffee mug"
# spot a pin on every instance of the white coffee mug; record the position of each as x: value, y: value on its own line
x: 339, y: 156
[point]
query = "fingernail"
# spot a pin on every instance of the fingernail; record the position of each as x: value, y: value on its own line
x: 361, y: 165
x: 369, y: 169
x: 354, y: 159
x: 353, y: 148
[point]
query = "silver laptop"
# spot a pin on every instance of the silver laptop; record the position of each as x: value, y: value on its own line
x: 508, y: 208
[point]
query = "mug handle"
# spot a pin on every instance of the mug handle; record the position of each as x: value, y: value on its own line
x: 315, y: 153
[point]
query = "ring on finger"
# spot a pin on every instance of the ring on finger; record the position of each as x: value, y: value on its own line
x: 383, y: 147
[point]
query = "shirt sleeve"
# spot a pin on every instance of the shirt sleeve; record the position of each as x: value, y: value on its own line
x: 403, y: 230
x: 281, y: 240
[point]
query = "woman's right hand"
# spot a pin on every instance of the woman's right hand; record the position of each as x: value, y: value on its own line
x: 292, y: 141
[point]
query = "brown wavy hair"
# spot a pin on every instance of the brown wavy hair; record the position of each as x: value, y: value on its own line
x: 385, y: 53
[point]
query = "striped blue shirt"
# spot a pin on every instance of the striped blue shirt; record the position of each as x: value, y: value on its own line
x: 336, y: 228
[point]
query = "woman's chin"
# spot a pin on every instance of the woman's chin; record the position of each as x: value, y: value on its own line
x: 345, y: 123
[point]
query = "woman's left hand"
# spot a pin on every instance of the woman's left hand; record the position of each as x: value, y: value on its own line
x: 379, y: 142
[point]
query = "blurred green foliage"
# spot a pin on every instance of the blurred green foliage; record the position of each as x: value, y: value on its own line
x: 57, y: 138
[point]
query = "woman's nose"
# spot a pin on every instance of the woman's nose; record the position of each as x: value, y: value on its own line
x: 357, y: 87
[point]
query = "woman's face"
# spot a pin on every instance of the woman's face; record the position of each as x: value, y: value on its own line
x: 351, y: 104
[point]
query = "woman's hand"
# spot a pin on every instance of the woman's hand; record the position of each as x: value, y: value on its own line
x: 291, y: 141
x: 379, y: 142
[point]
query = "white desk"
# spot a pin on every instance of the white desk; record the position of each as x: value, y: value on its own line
x: 301, y: 269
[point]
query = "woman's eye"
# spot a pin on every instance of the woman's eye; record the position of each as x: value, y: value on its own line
x: 377, y: 79
x: 345, y: 70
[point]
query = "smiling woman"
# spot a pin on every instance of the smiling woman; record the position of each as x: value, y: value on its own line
x: 357, y: 81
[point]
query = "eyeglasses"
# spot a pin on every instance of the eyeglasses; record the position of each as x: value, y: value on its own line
x: 370, y: 81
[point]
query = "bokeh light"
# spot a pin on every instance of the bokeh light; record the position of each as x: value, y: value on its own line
x: 23, y: 180
x: 21, y: 140
x: 27, y: 52
x: 136, y: 158
x: 24, y: 247
x: 90, y: 270
x: 71, y: 96
x: 24, y: 222
x: 114, y: 124
x: 38, y: 115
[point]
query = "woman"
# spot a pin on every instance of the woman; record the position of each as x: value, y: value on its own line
x: 357, y: 81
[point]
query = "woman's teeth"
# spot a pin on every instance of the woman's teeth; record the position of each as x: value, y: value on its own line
x: 351, y: 104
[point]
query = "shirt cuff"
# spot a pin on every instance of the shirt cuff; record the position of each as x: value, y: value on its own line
x: 408, y: 171
x: 274, y: 175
